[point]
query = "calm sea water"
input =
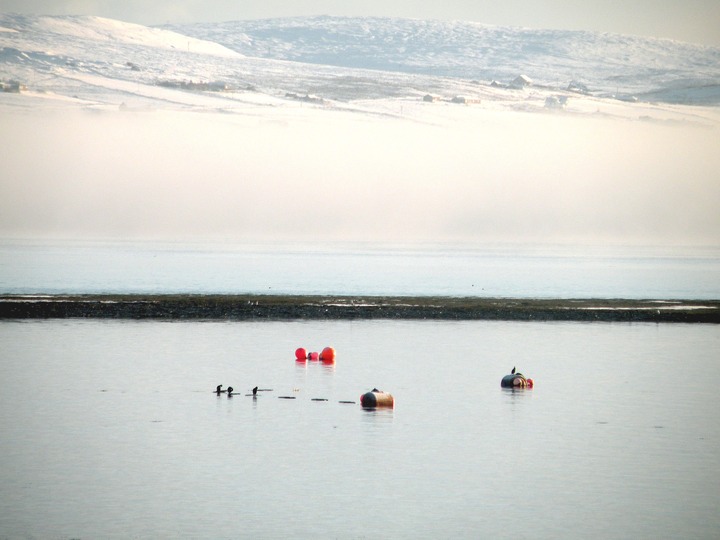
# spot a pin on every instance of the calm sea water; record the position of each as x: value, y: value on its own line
x: 110, y: 429
x: 353, y: 269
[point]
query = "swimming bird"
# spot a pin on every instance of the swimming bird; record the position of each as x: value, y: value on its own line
x: 513, y: 371
x: 218, y: 390
x: 255, y: 391
x: 230, y: 391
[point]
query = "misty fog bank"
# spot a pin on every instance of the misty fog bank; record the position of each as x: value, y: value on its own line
x: 499, y: 176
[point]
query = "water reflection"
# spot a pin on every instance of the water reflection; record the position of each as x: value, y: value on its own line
x: 377, y: 416
x: 517, y: 393
x: 517, y: 398
x: 329, y: 369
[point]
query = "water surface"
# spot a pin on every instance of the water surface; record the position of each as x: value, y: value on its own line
x: 110, y: 430
x: 497, y: 270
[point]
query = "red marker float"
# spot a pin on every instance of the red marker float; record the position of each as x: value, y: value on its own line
x: 300, y: 354
x: 328, y: 355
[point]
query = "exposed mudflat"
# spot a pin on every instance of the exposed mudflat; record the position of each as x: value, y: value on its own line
x: 292, y: 307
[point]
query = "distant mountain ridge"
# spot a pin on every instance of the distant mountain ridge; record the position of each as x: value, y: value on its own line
x: 605, y: 63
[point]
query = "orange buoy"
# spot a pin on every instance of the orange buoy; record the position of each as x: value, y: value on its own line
x: 300, y: 354
x: 377, y: 398
x: 328, y: 355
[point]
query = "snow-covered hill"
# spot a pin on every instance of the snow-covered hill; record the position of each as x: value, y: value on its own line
x: 605, y: 64
x: 361, y: 64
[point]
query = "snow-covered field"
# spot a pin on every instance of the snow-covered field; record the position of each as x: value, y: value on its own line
x: 385, y: 127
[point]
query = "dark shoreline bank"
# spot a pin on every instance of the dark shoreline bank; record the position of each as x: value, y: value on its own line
x: 299, y: 307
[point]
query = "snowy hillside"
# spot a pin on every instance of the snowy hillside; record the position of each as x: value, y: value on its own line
x: 604, y: 63
x: 361, y: 64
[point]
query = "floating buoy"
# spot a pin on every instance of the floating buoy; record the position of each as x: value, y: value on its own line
x: 376, y: 398
x: 313, y: 356
x: 516, y: 380
x: 328, y: 355
x: 300, y: 354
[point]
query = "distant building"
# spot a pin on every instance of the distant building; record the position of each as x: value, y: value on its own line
x: 463, y: 100
x: 520, y: 81
x: 213, y: 86
x: 626, y: 97
x: 13, y: 87
x: 578, y: 87
x: 555, y: 102
x: 308, y: 98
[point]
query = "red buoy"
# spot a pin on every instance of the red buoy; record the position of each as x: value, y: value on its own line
x: 328, y: 355
x: 300, y: 354
x: 313, y: 356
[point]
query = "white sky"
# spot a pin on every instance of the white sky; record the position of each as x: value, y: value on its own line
x: 696, y: 21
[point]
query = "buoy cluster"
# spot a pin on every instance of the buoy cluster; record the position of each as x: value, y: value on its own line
x: 374, y: 398
x: 327, y: 355
x: 516, y: 380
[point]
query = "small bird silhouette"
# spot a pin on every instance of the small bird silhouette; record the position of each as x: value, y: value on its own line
x: 218, y: 389
x: 255, y: 391
x: 513, y: 371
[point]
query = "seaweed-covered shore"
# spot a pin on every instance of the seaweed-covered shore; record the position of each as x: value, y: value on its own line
x: 293, y: 307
